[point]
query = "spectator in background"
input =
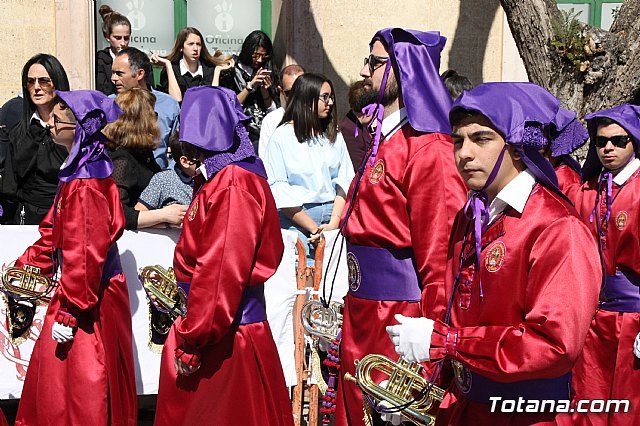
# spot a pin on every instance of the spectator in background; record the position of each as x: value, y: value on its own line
x: 354, y: 125
x: 132, y: 139
x: 189, y: 64
x: 33, y: 161
x: 252, y: 80
x: 173, y: 186
x: 116, y: 29
x: 273, y: 119
x: 455, y: 83
x: 130, y: 70
x: 308, y: 164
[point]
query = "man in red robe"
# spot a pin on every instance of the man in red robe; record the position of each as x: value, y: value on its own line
x: 220, y: 365
x: 608, y: 202
x: 522, y: 273
x: 81, y: 371
x: 400, y: 207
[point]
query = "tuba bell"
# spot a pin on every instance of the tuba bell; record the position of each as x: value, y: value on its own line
x: 406, y: 385
x: 320, y: 321
x: 24, y: 288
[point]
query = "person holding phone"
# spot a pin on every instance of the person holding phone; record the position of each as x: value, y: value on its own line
x: 252, y: 80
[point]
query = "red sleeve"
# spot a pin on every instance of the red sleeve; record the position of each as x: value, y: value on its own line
x: 39, y: 253
x: 226, y: 254
x: 562, y: 294
x: 435, y: 194
x: 86, y: 238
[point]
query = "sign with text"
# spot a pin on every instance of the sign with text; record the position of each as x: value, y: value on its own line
x: 224, y: 23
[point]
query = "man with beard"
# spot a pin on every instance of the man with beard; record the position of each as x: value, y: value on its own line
x: 353, y: 125
x: 401, y: 206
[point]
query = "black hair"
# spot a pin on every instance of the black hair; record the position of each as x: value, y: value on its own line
x: 138, y: 60
x: 110, y: 19
x: 302, y: 109
x: 455, y: 83
x: 254, y: 40
x: 458, y: 115
x: 58, y: 77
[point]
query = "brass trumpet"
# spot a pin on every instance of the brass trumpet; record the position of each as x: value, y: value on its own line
x: 27, y: 284
x: 162, y: 290
x: 405, y: 386
x: 320, y: 321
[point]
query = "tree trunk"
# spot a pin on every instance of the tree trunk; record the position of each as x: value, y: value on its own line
x: 606, y: 77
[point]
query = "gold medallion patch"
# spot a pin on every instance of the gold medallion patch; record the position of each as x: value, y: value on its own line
x: 377, y: 172
x: 193, y: 211
x: 621, y: 219
x: 494, y: 258
x: 354, y: 272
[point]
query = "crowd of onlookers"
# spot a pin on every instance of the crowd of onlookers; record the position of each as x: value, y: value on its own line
x: 292, y: 120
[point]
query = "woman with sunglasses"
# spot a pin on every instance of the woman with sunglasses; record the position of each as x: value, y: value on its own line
x: 33, y: 160
x: 189, y: 64
x: 308, y: 164
x: 132, y: 138
x: 116, y: 29
x: 253, y: 80
x: 81, y: 371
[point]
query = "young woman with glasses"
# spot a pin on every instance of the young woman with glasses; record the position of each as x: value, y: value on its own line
x: 307, y: 162
x: 253, y: 80
x: 189, y: 64
x: 33, y: 161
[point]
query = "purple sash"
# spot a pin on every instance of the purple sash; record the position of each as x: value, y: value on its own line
x: 382, y: 274
x: 478, y: 388
x: 621, y: 293
x: 253, y: 307
x: 112, y: 266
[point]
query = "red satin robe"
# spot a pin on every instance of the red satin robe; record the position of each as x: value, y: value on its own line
x: 567, y: 179
x: 3, y: 420
x: 607, y: 368
x: 540, y: 280
x: 91, y: 379
x: 411, y: 204
x: 231, y: 239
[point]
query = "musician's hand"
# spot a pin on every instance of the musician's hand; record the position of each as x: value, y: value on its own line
x: 183, y: 368
x: 636, y: 346
x: 395, y: 418
x: 62, y: 333
x: 412, y: 337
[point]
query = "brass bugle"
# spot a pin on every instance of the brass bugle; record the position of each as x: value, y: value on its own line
x: 320, y: 321
x: 27, y: 283
x: 405, y: 386
x: 162, y: 290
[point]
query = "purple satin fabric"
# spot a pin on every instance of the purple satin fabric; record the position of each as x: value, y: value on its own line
x: 382, y: 274
x: 112, y: 265
x: 88, y: 157
x: 628, y: 117
x: 252, y: 307
x: 482, y: 388
x: 621, y: 293
x: 417, y: 56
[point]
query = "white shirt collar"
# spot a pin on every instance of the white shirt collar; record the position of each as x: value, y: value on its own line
x: 203, y: 170
x: 626, y: 173
x: 113, y: 55
x: 514, y: 194
x: 37, y: 117
x: 184, y: 69
x: 393, y: 122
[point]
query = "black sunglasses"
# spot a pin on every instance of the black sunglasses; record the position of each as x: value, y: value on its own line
x: 375, y: 62
x: 619, y: 141
x: 42, y: 81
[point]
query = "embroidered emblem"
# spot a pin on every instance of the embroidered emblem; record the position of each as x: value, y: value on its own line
x: 354, y: 272
x: 59, y: 207
x: 621, y: 219
x: 494, y: 258
x: 462, y: 376
x: 377, y: 172
x: 193, y: 211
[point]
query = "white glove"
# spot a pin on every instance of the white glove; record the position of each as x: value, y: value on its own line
x: 394, y: 418
x: 412, y: 337
x: 61, y: 333
x: 636, y: 346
